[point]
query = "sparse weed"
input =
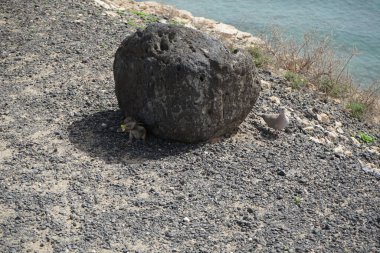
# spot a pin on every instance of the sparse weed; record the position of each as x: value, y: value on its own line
x: 318, y: 65
x: 296, y: 80
x: 261, y: 60
x: 120, y: 12
x: 357, y: 109
x: 369, y: 99
x: 33, y: 29
x: 297, y: 201
x: 367, y: 138
x: 314, y: 58
x: 132, y: 23
x: 176, y: 22
x: 147, y: 18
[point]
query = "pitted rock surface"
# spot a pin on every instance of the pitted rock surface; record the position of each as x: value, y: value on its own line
x: 183, y: 84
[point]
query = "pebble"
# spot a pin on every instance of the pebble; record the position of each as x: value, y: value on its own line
x: 104, y: 125
x: 323, y: 118
x: 374, y: 150
x: 340, y: 130
x: 355, y: 142
x: 265, y: 85
x: 338, y: 124
x: 344, y: 138
x: 275, y: 100
x: 332, y: 136
x: 317, y: 140
x: 186, y: 219
x: 339, y: 150
x: 281, y: 173
x: 308, y: 129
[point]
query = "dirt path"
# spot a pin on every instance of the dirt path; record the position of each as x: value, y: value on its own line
x: 70, y: 183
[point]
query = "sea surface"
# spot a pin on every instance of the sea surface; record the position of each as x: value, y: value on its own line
x: 350, y: 23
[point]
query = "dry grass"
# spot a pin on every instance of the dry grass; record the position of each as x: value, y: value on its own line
x: 314, y: 60
x: 365, y: 103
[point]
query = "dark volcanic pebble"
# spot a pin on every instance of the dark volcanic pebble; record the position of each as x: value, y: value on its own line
x: 70, y: 183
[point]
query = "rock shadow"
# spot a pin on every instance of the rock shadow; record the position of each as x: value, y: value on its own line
x: 97, y: 135
x: 265, y: 133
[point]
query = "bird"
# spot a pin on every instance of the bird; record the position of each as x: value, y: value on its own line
x: 276, y: 121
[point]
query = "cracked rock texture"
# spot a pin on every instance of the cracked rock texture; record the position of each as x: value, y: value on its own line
x: 183, y: 84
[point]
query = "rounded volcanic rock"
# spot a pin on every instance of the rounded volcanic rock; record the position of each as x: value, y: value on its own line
x: 183, y: 84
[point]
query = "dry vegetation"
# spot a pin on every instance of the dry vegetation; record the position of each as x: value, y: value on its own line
x: 314, y: 63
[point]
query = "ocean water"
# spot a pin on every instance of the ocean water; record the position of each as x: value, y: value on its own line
x: 350, y: 23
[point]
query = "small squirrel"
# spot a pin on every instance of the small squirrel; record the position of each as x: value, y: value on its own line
x: 135, y: 129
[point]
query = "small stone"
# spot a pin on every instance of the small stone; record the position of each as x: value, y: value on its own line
x: 186, y: 219
x: 344, y: 138
x: 288, y: 89
x: 347, y: 153
x: 320, y: 128
x: 338, y: 124
x: 104, y: 125
x: 374, y: 150
x: 169, y: 234
x: 355, y: 142
x: 339, y: 150
x: 281, y: 173
x: 340, y: 130
x: 316, y: 140
x: 275, y: 100
x: 332, y: 136
x: 298, y: 119
x: 323, y: 118
x: 265, y: 85
x: 328, y: 142
x: 307, y: 122
x: 308, y: 129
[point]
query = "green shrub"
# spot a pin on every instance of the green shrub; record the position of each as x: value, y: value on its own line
x: 147, y: 18
x: 296, y: 80
x: 357, y: 109
x: 259, y: 56
x: 367, y: 138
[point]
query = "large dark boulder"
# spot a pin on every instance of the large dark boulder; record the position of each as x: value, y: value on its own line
x: 183, y: 84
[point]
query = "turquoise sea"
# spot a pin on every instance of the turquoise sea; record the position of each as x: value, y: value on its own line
x: 351, y: 23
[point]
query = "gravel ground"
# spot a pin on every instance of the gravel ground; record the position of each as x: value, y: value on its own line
x: 70, y: 183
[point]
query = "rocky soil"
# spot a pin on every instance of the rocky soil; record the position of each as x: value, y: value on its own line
x: 70, y: 183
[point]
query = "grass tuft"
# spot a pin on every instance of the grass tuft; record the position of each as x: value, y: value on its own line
x: 367, y: 138
x: 357, y: 109
x: 259, y: 56
x: 146, y: 17
x: 296, y: 80
x: 297, y: 201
